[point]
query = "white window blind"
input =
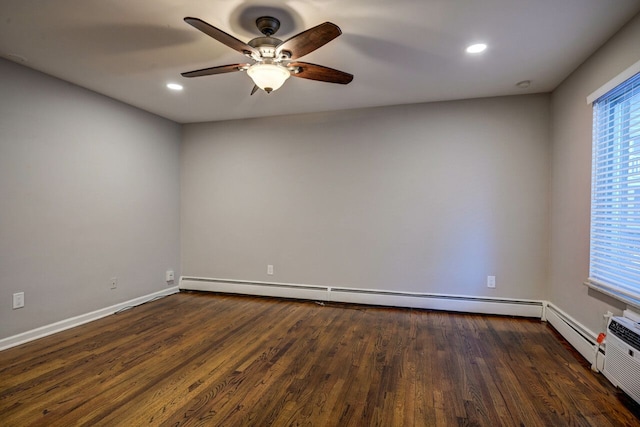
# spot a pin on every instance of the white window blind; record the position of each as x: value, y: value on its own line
x: 615, y: 197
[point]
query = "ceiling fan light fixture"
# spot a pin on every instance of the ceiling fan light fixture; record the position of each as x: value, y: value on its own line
x: 268, y: 77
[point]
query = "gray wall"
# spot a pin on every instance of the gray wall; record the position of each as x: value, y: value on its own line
x: 571, y: 178
x: 425, y: 198
x: 89, y: 189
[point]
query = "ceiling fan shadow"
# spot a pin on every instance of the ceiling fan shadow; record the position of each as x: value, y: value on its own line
x: 115, y: 39
x: 243, y: 19
x: 132, y: 49
x: 398, y: 54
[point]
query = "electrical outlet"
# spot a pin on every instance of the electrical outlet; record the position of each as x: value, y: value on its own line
x: 18, y: 300
x: 169, y: 276
x: 114, y: 282
x: 491, y: 281
x: 270, y: 270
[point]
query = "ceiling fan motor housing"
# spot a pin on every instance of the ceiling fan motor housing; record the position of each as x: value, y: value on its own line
x: 266, y: 46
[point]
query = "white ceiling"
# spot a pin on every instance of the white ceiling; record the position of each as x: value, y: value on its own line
x: 400, y: 51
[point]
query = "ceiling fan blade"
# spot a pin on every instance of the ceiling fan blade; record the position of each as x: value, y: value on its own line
x: 309, y: 40
x: 221, y: 36
x: 309, y: 71
x: 215, y: 70
x: 255, y: 88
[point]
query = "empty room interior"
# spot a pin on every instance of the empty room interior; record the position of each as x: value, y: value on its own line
x: 313, y: 213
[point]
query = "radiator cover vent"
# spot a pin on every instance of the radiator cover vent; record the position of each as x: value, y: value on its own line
x: 626, y: 334
x: 622, y: 364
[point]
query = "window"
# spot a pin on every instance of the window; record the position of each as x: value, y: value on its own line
x: 615, y: 193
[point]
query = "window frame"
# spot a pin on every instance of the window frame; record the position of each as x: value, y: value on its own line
x: 618, y: 172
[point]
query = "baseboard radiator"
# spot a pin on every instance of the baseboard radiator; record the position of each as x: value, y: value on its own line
x: 459, y: 303
x: 579, y: 336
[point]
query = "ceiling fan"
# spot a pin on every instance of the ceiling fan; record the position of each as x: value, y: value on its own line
x: 274, y: 60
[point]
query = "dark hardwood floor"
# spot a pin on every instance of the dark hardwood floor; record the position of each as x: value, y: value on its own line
x: 223, y: 360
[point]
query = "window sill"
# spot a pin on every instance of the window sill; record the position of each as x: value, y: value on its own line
x: 629, y: 300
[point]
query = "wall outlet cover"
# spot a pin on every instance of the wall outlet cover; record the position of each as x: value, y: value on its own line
x: 491, y: 281
x: 18, y: 300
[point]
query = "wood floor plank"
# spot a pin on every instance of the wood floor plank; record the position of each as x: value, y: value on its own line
x: 212, y: 359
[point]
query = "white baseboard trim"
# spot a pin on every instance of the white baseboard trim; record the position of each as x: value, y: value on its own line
x: 580, y: 337
x: 460, y: 303
x: 72, y: 322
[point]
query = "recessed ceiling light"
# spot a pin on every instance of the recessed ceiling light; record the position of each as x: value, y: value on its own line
x: 524, y: 84
x: 476, y: 48
x: 174, y: 86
